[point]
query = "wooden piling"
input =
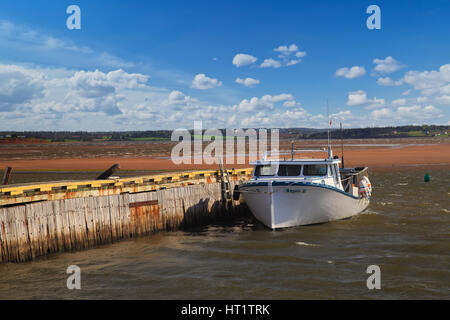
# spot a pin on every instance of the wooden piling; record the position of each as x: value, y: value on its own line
x: 108, y: 173
x: 7, y: 176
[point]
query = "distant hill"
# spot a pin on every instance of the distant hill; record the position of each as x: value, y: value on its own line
x: 385, y: 132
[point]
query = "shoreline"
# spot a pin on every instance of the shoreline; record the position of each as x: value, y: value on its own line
x: 379, y: 158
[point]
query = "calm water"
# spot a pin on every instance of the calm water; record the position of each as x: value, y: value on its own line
x: 406, y: 231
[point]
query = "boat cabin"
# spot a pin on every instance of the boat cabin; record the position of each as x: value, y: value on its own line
x: 324, y: 171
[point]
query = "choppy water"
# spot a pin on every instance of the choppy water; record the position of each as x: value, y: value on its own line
x: 406, y: 231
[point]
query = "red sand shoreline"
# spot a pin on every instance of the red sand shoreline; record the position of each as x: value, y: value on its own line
x: 376, y: 157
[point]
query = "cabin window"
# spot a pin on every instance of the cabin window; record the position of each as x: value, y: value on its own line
x: 336, y: 173
x: 265, y: 170
x: 289, y: 170
x: 315, y: 170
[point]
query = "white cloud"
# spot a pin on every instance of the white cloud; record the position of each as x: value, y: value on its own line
x: 399, y: 102
x: 342, y: 116
x: 407, y: 92
x: 264, y: 103
x: 387, y: 65
x: 288, y: 55
x: 430, y: 82
x: 351, y: 73
x: 418, y: 112
x: 422, y: 99
x: 242, y: 59
x: 248, y: 82
x: 270, y: 63
x: 179, y: 98
x: 293, y: 62
x: 300, y: 54
x: 94, y: 84
x: 202, y: 82
x: 48, y: 91
x: 291, y: 104
x: 382, y: 113
x: 294, y: 114
x: 386, y: 81
x: 407, y: 114
x: 359, y: 98
x: 443, y: 100
x: 19, y: 85
x: 286, y: 50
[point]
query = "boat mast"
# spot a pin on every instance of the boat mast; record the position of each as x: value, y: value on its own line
x: 342, y: 146
x: 292, y: 150
x: 330, y: 154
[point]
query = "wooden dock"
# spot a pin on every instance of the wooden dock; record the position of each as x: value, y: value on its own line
x: 39, y: 219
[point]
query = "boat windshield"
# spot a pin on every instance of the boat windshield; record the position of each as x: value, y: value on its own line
x: 265, y: 170
x: 289, y: 170
x: 315, y: 170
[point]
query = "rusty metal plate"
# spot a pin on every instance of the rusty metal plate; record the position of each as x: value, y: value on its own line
x: 143, y: 203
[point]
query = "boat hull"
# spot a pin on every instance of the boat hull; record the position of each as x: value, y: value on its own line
x: 287, y: 204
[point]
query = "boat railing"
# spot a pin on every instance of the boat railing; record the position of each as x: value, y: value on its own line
x: 352, y: 176
x: 291, y: 153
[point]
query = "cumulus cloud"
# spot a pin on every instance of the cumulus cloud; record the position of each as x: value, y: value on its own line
x: 202, y: 82
x: 351, y: 73
x: 443, y: 100
x: 19, y: 85
x: 94, y: 84
x: 387, y: 65
x: 248, y: 82
x: 242, y: 59
x: 286, y: 50
x: 359, y: 98
x: 386, y: 81
x: 49, y: 91
x: 399, y: 102
x: 430, y: 82
x: 407, y: 92
x: 179, y: 98
x: 264, y: 103
x: 434, y: 85
x: 407, y: 114
x: 287, y: 55
x: 291, y: 104
x: 382, y: 113
x: 300, y: 54
x: 270, y: 63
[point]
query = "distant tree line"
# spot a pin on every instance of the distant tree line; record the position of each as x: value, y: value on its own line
x: 286, y: 133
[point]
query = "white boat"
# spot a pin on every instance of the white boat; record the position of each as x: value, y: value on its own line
x: 287, y: 193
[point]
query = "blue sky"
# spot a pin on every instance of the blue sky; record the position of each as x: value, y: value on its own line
x: 145, y: 65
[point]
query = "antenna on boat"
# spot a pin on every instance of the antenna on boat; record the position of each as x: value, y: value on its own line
x: 342, y: 146
x: 292, y: 150
x: 330, y: 154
